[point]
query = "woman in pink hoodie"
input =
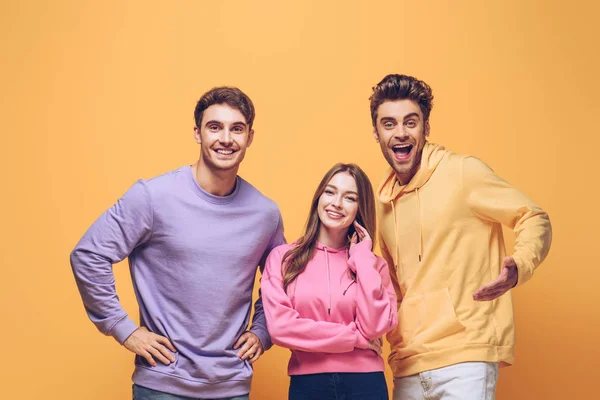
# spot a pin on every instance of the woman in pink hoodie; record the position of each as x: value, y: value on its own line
x: 329, y: 299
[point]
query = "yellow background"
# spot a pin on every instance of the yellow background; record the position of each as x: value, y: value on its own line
x: 95, y: 95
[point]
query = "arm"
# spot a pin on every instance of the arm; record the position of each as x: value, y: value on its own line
x: 108, y: 241
x: 289, y: 330
x: 259, y: 323
x: 376, y: 300
x: 493, y: 199
x: 385, y: 253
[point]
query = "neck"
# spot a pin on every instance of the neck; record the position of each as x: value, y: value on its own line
x: 335, y: 239
x: 405, y: 178
x: 218, y: 183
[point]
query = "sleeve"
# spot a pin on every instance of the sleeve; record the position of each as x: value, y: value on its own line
x: 385, y: 253
x: 491, y: 198
x: 376, y: 300
x: 259, y: 324
x: 289, y: 330
x: 110, y: 239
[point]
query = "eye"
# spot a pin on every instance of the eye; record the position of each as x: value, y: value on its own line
x: 351, y: 199
x: 329, y: 192
x: 238, y: 129
x: 388, y: 125
x: 411, y: 123
x: 213, y: 127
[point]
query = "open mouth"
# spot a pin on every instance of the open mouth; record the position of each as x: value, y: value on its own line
x: 402, y: 151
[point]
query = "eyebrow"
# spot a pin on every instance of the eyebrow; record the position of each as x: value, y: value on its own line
x: 213, y: 121
x: 411, y: 115
x: 335, y: 187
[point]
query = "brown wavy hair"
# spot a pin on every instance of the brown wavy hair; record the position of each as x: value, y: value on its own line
x: 399, y: 87
x: 295, y: 260
x: 229, y: 95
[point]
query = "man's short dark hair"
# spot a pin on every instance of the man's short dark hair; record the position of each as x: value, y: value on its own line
x: 399, y: 87
x: 231, y: 96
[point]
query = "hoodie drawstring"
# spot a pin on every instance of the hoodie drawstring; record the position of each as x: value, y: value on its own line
x: 396, y: 236
x: 328, y: 279
x: 420, y: 210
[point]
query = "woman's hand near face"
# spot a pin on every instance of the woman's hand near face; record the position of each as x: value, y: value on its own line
x: 360, y: 234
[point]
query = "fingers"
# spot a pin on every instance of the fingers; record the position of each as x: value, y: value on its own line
x: 241, y: 340
x: 148, y: 357
x: 248, y: 350
x: 256, y: 356
x: 163, y: 340
x: 362, y: 232
x: 159, y: 356
x: 353, y: 238
x: 165, y: 353
x: 251, y: 349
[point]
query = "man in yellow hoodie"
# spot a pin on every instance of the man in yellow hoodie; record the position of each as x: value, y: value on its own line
x: 441, y: 217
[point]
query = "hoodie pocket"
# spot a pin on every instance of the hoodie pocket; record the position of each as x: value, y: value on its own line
x: 428, y: 323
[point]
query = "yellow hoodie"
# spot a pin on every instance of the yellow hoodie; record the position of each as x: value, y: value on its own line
x: 442, y: 233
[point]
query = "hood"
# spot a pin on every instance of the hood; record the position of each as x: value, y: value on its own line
x: 390, y: 189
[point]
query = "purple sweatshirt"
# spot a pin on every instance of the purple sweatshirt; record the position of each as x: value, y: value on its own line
x: 193, y: 258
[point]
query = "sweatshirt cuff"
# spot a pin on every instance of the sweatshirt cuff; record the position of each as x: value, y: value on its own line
x: 524, y: 270
x: 361, y: 341
x: 363, y: 245
x: 264, y: 337
x: 123, y: 329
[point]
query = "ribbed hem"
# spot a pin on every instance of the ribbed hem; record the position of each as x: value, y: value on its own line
x: 454, y: 355
x: 359, y: 360
x: 189, y: 388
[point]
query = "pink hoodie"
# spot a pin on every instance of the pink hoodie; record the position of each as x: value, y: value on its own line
x: 326, y: 318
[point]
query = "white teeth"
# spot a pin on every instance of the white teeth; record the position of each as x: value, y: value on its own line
x: 334, y: 214
x: 225, y: 152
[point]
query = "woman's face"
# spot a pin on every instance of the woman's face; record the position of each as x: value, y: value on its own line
x: 338, y: 205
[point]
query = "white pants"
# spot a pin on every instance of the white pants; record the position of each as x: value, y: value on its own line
x: 464, y: 381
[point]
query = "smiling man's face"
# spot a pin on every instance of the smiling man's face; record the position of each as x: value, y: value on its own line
x: 224, y: 136
x: 401, y: 133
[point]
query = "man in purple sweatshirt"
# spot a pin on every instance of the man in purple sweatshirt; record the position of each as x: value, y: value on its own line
x: 194, y: 237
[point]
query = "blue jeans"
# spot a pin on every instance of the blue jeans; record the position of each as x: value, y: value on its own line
x: 339, y: 386
x: 143, y: 393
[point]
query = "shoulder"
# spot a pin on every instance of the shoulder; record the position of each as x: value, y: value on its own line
x: 258, y: 199
x: 164, y: 183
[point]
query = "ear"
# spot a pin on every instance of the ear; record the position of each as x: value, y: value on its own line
x: 250, y: 137
x: 427, y: 128
x: 197, y: 135
x: 375, y: 135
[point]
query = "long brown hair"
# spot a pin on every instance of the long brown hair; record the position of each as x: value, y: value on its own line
x: 295, y: 260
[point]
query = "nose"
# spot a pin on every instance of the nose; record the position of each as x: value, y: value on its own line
x: 225, y: 138
x: 401, y: 134
x: 337, y: 201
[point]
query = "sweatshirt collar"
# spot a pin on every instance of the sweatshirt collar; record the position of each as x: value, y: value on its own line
x: 211, y: 198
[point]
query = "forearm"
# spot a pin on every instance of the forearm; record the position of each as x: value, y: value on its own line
x: 376, y: 301
x: 96, y: 284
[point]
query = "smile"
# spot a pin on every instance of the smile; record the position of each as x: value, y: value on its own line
x: 334, y: 215
x: 402, y: 152
x: 225, y: 152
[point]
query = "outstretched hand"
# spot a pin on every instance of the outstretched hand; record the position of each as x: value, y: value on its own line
x: 503, y: 283
x: 150, y: 345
